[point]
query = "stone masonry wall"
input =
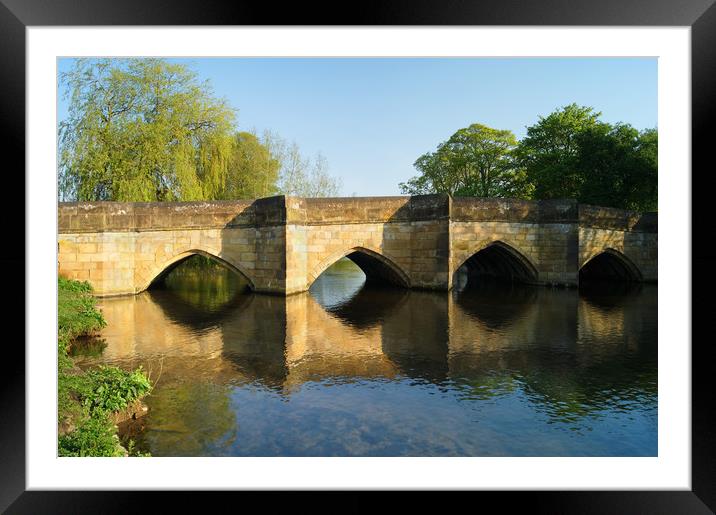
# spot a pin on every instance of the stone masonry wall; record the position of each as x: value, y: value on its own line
x: 121, y: 248
x: 543, y: 233
x: 282, y: 244
x: 634, y: 235
x: 408, y: 235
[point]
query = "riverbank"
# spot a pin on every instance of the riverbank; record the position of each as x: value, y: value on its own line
x: 92, y: 404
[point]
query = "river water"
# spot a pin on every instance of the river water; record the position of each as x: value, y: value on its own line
x: 352, y: 370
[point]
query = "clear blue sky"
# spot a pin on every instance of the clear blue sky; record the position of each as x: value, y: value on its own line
x: 372, y: 117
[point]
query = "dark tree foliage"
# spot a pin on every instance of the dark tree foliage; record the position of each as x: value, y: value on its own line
x: 570, y: 153
x: 550, y: 152
x: 618, y: 165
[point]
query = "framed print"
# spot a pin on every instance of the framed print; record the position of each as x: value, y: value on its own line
x: 161, y: 143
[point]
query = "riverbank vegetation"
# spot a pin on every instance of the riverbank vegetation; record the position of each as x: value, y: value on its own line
x: 142, y: 129
x: 88, y: 401
x: 569, y: 153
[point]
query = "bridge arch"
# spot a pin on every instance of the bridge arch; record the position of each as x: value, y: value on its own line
x: 160, y: 271
x: 376, y: 266
x: 499, y: 260
x: 610, y: 264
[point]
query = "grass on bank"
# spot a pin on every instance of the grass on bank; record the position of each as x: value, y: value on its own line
x: 87, y: 399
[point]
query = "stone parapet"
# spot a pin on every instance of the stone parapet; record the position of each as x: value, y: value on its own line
x: 470, y: 209
x: 282, y: 244
x: 80, y: 217
x: 598, y: 217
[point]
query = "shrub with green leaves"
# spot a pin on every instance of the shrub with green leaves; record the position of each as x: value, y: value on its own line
x: 113, y: 389
x: 77, y: 313
x: 88, y: 398
x: 95, y: 436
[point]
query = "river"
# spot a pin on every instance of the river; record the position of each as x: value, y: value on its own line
x: 352, y: 370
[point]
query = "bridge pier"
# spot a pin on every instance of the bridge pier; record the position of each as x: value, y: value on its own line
x: 282, y: 244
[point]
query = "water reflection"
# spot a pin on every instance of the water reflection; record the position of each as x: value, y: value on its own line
x: 497, y: 304
x: 349, y: 369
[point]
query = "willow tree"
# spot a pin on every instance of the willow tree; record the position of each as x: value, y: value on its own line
x: 252, y: 169
x: 142, y: 130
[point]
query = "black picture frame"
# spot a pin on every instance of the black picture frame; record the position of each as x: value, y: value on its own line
x: 700, y: 15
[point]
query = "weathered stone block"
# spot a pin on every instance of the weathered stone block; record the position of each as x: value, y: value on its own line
x: 281, y: 241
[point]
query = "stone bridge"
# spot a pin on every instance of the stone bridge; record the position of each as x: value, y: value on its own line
x: 282, y: 244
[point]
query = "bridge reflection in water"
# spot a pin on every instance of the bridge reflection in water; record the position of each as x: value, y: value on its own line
x: 351, y: 370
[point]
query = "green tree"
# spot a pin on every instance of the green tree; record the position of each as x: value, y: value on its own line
x: 142, y: 130
x: 619, y: 166
x: 252, y: 170
x: 437, y: 175
x: 549, y: 153
x: 572, y: 154
x: 645, y: 179
x: 475, y: 161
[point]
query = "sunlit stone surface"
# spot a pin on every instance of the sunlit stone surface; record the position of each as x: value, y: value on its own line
x: 283, y: 244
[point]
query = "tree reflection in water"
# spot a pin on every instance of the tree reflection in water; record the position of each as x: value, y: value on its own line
x: 349, y: 369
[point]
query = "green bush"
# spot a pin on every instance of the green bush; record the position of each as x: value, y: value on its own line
x: 95, y: 436
x: 87, y: 399
x: 77, y: 313
x: 113, y: 389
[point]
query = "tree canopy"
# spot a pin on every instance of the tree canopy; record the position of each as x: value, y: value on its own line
x: 149, y: 130
x: 550, y: 151
x: 142, y: 129
x: 252, y: 169
x: 475, y: 161
x: 619, y: 167
x: 570, y: 153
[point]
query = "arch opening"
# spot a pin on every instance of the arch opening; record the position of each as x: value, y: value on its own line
x: 378, y: 269
x: 609, y: 265
x: 345, y: 276
x: 201, y: 279
x: 497, y: 262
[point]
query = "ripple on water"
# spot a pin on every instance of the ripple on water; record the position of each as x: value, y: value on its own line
x: 350, y: 370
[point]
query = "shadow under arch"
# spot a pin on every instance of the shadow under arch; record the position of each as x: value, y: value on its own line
x: 496, y: 261
x: 609, y: 265
x: 369, y: 306
x: 495, y: 304
x: 189, y: 315
x: 163, y: 271
x: 609, y: 296
x: 378, y: 269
